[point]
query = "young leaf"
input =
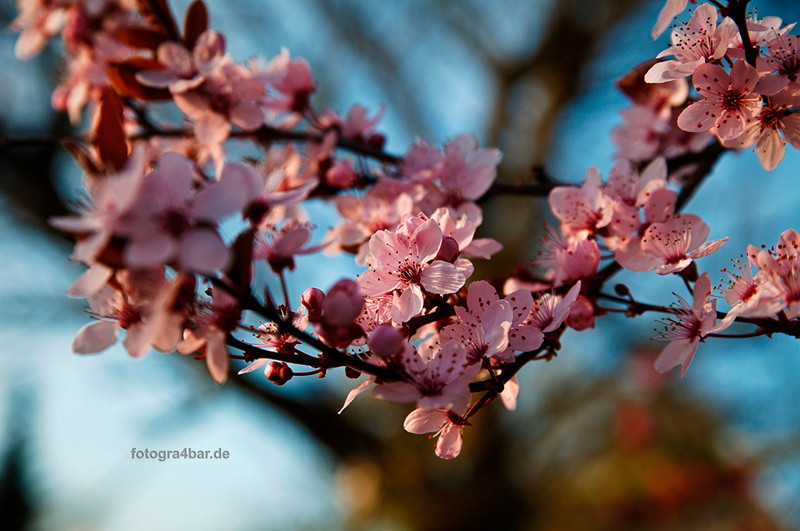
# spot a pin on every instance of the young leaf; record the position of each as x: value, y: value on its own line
x: 159, y: 17
x: 195, y: 24
x: 108, y: 134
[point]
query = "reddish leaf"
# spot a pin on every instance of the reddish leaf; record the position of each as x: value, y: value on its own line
x: 140, y: 38
x: 123, y: 77
x: 158, y: 15
x: 195, y: 24
x: 82, y: 156
x: 108, y: 134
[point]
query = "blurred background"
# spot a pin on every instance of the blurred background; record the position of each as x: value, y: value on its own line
x: 600, y: 441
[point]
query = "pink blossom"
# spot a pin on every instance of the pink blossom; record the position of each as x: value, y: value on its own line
x: 170, y: 223
x: 581, y: 314
x: 404, y: 261
x: 729, y: 100
x: 748, y: 294
x: 550, y: 310
x: 467, y: 172
x: 210, y: 334
x: 112, y: 198
x: 568, y: 258
x: 292, y: 82
x: 783, y: 57
x: 768, y: 129
x: 185, y: 70
x: 437, y: 378
x: 632, y: 191
x: 445, y: 425
x: 670, y: 247
x: 483, y: 327
x: 693, y: 44
x: 783, y: 265
x: 279, y: 246
x: 582, y: 210
x: 126, y: 309
x: 689, y: 326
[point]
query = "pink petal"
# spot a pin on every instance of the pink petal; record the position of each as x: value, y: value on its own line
x: 158, y: 249
x: 217, y: 358
x: 90, y: 281
x: 211, y: 128
x: 250, y: 367
x: 427, y: 238
x: 792, y: 131
x: 698, y: 116
x: 360, y: 388
x: 448, y: 446
x: 422, y: 421
x: 246, y: 116
x: 480, y: 296
x: 708, y: 248
x: 400, y: 392
x: 202, y: 251
x: 521, y: 302
x: 509, y: 393
x: 95, y: 337
x: 407, y: 305
x: 442, y: 277
x: 137, y: 341
x: 743, y: 76
x: 482, y: 248
x: 678, y: 352
x: 771, y: 149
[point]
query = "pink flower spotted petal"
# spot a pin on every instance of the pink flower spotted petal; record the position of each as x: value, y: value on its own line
x: 678, y: 352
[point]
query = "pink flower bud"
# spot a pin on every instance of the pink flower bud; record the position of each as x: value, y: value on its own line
x: 449, y: 250
x: 581, y: 314
x: 312, y: 299
x: 341, y: 174
x: 342, y: 304
x: 386, y: 341
x: 278, y: 372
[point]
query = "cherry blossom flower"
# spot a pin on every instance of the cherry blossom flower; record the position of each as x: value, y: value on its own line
x: 292, y: 82
x: 582, y: 210
x: 783, y: 57
x: 444, y: 423
x: 783, y: 265
x: 404, y: 261
x: 210, y: 334
x: 748, y: 294
x: 183, y: 69
x: 126, y: 309
x: 483, y: 327
x: 671, y: 246
x: 438, y: 378
x: 699, y: 41
x: 272, y: 338
x: 770, y: 127
x: 550, y: 310
x: 729, y: 100
x: 689, y: 326
x: 568, y: 258
x: 170, y: 223
x: 111, y: 200
x: 279, y: 246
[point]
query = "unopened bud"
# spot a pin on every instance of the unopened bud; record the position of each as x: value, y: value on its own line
x: 449, y: 250
x: 622, y: 290
x: 386, y: 341
x: 312, y: 299
x: 352, y: 373
x: 342, y: 304
x: 376, y: 141
x: 581, y: 314
x: 341, y: 175
x: 278, y: 372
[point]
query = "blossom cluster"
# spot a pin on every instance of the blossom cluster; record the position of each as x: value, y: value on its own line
x: 173, y: 227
